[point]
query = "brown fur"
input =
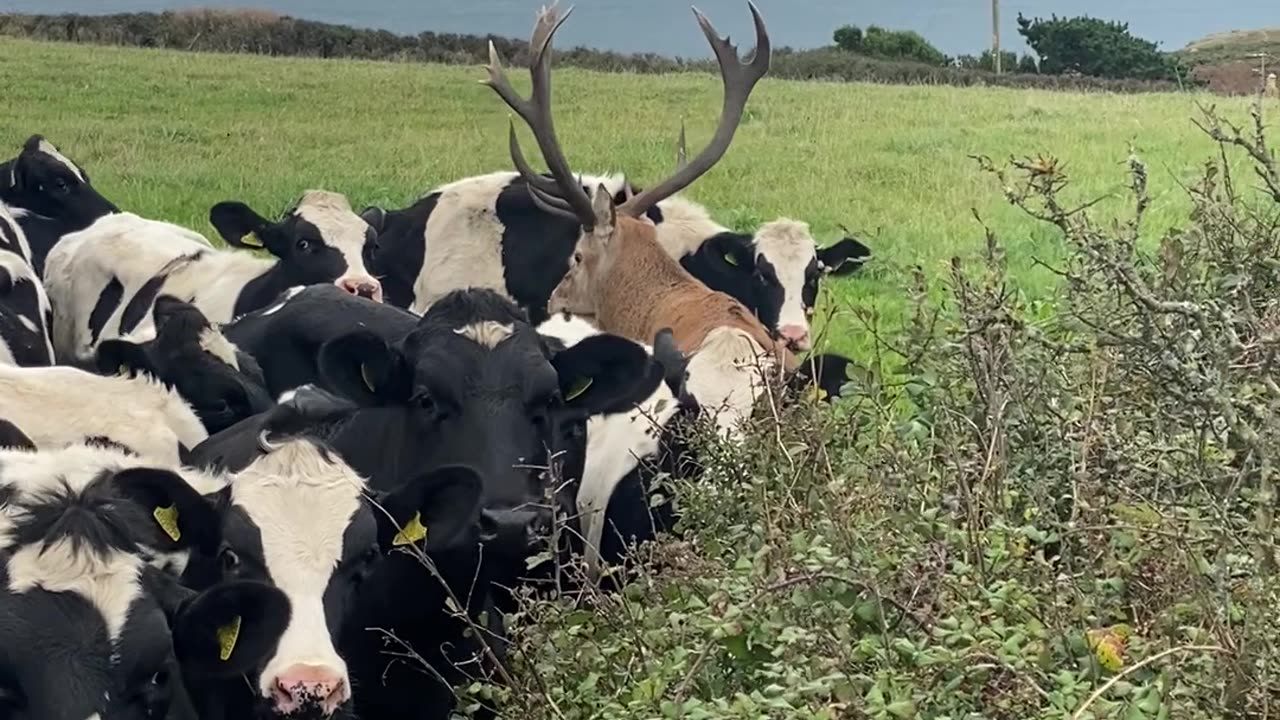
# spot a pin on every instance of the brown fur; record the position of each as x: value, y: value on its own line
x: 644, y: 290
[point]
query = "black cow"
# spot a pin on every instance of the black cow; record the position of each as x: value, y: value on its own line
x: 486, y: 231
x: 89, y: 626
x: 222, y: 383
x: 50, y: 195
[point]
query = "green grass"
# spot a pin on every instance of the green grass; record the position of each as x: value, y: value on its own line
x: 168, y: 134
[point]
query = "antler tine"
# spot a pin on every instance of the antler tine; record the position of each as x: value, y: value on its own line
x: 543, y: 123
x: 739, y: 80
x: 542, y: 190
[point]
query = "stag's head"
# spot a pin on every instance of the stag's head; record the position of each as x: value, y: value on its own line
x: 604, y: 223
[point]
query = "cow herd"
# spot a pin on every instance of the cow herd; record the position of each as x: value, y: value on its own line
x: 303, y: 483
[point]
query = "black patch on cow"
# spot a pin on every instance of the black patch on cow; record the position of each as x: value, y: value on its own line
x: 9, y: 238
x: 20, y: 299
x: 93, y: 520
x: 396, y: 255
x: 767, y: 294
x: 106, y: 443
x: 536, y: 247
x: 108, y: 301
x: 12, y: 437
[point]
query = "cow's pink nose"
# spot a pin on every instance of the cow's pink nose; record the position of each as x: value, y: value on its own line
x: 309, y: 686
x: 796, y: 336
x: 365, y: 287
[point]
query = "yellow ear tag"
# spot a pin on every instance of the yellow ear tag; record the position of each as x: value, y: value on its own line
x: 412, y: 532
x: 579, y: 386
x: 124, y: 369
x: 364, y: 375
x: 729, y: 258
x: 168, y: 519
x: 816, y: 394
x: 227, y: 636
x: 251, y: 239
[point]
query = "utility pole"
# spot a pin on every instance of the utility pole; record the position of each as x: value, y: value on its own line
x: 995, y: 34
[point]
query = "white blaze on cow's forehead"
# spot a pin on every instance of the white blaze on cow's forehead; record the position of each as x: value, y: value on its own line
x: 789, y: 248
x: 568, y: 329
x: 216, y: 344
x: 110, y: 581
x: 487, y: 333
x: 340, y: 227
x: 302, y: 504
x: 47, y: 148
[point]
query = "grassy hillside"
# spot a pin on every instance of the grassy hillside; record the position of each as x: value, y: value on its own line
x: 168, y: 134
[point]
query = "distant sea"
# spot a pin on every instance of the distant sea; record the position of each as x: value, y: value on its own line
x: 667, y: 26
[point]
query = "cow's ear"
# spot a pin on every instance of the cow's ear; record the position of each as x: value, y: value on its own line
x: 439, y: 507
x: 12, y: 438
x: 182, y: 518
x: 674, y: 363
x: 727, y: 253
x: 362, y: 367
x: 121, y: 357
x: 239, y: 225
x: 843, y: 258
x: 606, y: 374
x: 376, y: 217
x: 229, y: 629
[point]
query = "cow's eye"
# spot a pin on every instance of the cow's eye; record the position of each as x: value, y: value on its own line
x: 61, y: 185
x: 228, y: 560
x: 303, y: 244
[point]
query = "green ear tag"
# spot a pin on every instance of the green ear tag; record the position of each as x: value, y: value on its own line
x: 729, y: 258
x: 412, y: 532
x: 227, y: 636
x: 168, y: 519
x: 364, y: 375
x: 252, y: 240
x: 579, y: 386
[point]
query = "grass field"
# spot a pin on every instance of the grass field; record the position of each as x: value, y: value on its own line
x: 168, y: 134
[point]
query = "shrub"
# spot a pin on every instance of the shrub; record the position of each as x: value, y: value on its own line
x: 1020, y: 510
x: 888, y: 44
x: 1094, y: 47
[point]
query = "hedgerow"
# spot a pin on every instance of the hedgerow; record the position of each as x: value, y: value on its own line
x: 1055, y: 509
x: 264, y: 33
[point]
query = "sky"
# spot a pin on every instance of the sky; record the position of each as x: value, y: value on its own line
x: 667, y: 26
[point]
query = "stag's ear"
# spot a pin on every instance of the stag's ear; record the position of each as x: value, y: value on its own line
x: 605, y: 212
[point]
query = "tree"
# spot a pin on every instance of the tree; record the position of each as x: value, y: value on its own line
x: 888, y: 44
x: 849, y: 38
x: 1093, y: 47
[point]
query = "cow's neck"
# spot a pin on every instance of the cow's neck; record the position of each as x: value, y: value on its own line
x: 266, y: 279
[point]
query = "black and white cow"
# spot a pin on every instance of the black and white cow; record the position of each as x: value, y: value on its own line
x: 60, y: 406
x: 486, y: 231
x: 50, y: 195
x: 89, y: 629
x: 399, y: 595
x: 626, y: 454
x: 25, y: 315
x: 103, y: 280
x: 298, y: 517
x: 471, y: 382
x: 223, y: 384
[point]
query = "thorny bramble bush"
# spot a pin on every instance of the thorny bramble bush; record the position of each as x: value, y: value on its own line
x: 1019, y: 510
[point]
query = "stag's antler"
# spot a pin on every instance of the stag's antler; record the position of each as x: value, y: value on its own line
x: 563, y: 195
x: 739, y: 79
